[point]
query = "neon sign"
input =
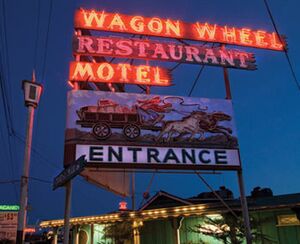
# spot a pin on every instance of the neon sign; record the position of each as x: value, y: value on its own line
x: 29, y: 230
x: 119, y: 73
x: 123, y: 205
x: 114, y: 22
x: 9, y: 207
x: 162, y: 51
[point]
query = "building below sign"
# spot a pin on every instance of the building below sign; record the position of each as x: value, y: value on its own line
x: 159, y: 157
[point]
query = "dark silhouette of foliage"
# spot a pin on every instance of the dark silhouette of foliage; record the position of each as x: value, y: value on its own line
x: 229, y: 229
x: 120, y: 232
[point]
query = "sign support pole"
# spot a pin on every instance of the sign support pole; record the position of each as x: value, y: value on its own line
x: 244, y: 205
x: 68, y: 186
x: 67, y: 211
x: 227, y: 84
x: 24, y: 179
x: 132, y: 191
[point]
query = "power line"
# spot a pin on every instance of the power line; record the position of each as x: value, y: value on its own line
x: 216, y: 195
x: 46, y: 43
x: 4, y: 89
x: 6, y: 60
x: 148, y: 189
x: 4, y: 102
x: 284, y: 48
x: 44, y: 60
x: 196, y: 80
x: 175, y: 66
x: 30, y: 178
x: 6, y: 94
x: 37, y: 152
x: 9, y: 132
x: 199, y: 73
x: 40, y: 180
x: 9, y: 182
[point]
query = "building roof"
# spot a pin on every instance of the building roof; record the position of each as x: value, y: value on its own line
x: 285, y: 200
x: 163, y: 199
x: 164, y: 205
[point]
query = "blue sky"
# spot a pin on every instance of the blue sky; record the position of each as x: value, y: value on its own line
x: 266, y: 101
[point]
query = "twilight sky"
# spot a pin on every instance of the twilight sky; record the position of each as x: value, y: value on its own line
x: 266, y: 101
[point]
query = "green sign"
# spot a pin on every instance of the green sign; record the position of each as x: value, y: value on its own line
x: 9, y: 207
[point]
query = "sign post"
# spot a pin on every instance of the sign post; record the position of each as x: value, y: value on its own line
x: 32, y: 93
x: 244, y: 204
x: 65, y: 179
x: 67, y: 211
x: 244, y: 207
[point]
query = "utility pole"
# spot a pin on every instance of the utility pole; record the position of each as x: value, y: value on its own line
x: 32, y: 93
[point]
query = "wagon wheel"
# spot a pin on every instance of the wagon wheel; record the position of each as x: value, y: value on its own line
x: 101, y: 130
x: 131, y: 131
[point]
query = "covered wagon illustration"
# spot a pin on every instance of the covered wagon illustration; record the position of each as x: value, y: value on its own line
x: 109, y: 114
x: 149, y: 114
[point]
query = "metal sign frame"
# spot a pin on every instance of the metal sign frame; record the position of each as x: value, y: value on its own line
x: 86, y: 20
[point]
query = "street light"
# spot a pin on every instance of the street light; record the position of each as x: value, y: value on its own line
x: 32, y: 94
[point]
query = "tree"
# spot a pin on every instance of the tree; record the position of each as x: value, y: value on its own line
x: 229, y: 229
x: 120, y: 232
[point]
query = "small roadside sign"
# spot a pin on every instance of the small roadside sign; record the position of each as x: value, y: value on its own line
x: 70, y: 172
x: 8, y: 225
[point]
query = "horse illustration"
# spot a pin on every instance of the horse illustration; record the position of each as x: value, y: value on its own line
x: 198, y: 122
x: 187, y: 125
x: 210, y: 123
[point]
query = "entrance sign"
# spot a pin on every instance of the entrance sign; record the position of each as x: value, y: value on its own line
x: 119, y: 73
x: 152, y: 131
x: 198, y: 31
x: 162, y: 51
x: 159, y: 157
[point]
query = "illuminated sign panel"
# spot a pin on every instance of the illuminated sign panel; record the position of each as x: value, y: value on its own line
x: 9, y: 207
x: 158, y: 157
x: 114, y: 22
x: 162, y: 51
x: 8, y: 225
x: 150, y: 131
x: 119, y: 73
x: 29, y: 230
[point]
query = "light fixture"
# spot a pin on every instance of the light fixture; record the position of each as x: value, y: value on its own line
x: 32, y: 92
